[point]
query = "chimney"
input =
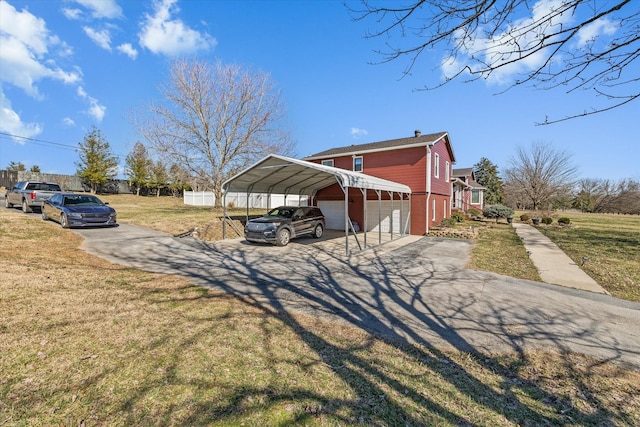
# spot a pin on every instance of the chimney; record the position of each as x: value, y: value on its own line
x: 418, y: 133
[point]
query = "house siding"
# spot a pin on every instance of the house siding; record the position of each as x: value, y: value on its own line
x: 407, y: 166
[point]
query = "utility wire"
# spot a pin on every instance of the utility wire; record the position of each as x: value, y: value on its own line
x: 44, y: 143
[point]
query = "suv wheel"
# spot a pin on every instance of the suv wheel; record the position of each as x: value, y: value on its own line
x: 282, y: 237
x: 25, y: 207
x: 317, y: 232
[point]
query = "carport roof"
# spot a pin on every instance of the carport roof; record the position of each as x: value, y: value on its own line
x: 284, y: 175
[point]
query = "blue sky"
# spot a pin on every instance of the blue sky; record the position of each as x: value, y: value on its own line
x: 71, y: 64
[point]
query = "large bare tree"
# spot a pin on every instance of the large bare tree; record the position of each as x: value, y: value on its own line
x: 538, y: 174
x: 215, y: 120
x: 572, y: 44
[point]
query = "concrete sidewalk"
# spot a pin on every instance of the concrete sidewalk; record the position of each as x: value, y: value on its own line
x: 553, y: 264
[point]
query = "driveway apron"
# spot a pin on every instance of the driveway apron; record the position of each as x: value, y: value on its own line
x: 416, y: 293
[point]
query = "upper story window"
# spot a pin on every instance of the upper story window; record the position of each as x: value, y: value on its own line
x: 328, y: 162
x: 446, y: 172
x: 436, y: 165
x: 357, y: 164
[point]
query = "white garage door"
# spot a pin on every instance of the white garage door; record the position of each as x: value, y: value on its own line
x: 334, y: 214
x: 385, y: 216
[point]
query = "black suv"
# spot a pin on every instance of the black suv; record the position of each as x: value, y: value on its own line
x: 283, y: 223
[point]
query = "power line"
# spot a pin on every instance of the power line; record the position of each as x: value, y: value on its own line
x: 42, y: 142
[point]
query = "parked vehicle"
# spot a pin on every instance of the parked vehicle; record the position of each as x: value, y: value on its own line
x: 284, y: 223
x: 30, y: 194
x: 78, y: 210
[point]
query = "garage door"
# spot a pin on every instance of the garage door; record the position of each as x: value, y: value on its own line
x: 334, y: 214
x: 386, y: 215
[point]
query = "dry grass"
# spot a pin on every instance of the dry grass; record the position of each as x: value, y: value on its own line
x: 82, y: 339
x: 500, y: 250
x: 611, y: 245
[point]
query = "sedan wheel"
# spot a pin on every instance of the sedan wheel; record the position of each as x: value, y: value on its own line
x: 25, y: 207
x: 283, y: 237
x: 317, y: 232
x: 64, y: 221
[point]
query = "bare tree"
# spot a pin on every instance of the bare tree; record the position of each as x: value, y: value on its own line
x: 539, y: 174
x: 573, y: 44
x: 216, y: 120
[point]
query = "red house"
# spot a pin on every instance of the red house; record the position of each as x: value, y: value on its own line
x: 467, y: 193
x: 422, y: 162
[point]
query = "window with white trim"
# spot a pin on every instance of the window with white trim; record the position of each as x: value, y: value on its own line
x: 436, y: 165
x: 328, y: 162
x: 433, y: 210
x: 446, y: 171
x: 475, y: 197
x: 357, y: 164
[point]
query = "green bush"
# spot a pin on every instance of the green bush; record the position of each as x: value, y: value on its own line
x: 564, y: 220
x: 525, y: 218
x: 448, y: 222
x: 474, y: 213
x: 497, y: 211
x: 458, y: 216
x: 547, y: 220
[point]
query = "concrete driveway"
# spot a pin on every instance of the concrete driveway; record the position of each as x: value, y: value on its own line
x: 416, y: 293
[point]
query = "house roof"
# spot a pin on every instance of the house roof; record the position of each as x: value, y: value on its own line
x: 417, y: 140
x: 463, y: 172
x: 284, y: 175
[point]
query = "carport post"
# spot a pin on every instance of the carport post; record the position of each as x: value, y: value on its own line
x: 379, y: 193
x: 224, y: 215
x: 346, y: 219
x: 391, y: 216
x: 364, y: 226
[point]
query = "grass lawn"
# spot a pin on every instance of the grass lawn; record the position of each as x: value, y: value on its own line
x: 85, y: 340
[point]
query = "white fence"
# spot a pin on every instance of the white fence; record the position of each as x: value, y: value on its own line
x: 240, y: 200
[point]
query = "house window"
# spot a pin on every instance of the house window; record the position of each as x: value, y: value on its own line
x: 475, y: 197
x: 433, y: 210
x: 328, y: 162
x: 446, y: 172
x: 357, y: 163
x: 436, y: 166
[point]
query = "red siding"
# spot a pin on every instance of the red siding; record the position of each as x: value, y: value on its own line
x: 407, y: 166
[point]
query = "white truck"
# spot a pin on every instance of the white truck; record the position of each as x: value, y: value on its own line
x: 30, y: 194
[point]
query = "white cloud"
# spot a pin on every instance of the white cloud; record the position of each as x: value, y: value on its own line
x: 102, y: 8
x: 502, y: 48
x: 25, y: 55
x: 591, y: 32
x: 72, y: 14
x: 128, y: 50
x: 100, y: 37
x: 166, y: 36
x: 68, y: 122
x: 96, y: 110
x: 10, y: 122
x: 357, y: 133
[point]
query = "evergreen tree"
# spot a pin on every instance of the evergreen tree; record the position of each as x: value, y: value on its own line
x: 138, y: 167
x: 159, y: 176
x: 486, y: 174
x: 16, y: 167
x: 97, y: 165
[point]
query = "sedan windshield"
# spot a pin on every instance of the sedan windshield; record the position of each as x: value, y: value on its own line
x: 82, y: 201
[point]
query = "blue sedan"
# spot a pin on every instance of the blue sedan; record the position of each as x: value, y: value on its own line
x: 78, y: 210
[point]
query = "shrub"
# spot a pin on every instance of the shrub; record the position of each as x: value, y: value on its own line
x: 448, y: 222
x: 457, y: 216
x: 474, y: 213
x: 525, y: 218
x: 497, y: 211
x: 547, y: 220
x: 564, y: 220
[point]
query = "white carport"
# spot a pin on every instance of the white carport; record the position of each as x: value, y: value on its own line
x: 276, y: 174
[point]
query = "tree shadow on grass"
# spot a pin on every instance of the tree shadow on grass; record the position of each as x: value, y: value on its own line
x: 428, y: 312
